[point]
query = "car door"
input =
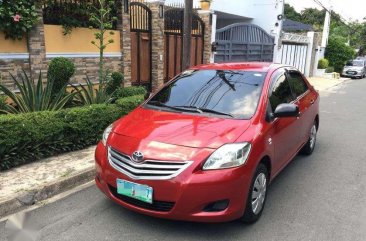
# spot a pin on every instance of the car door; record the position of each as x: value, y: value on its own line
x: 304, y: 99
x: 284, y: 131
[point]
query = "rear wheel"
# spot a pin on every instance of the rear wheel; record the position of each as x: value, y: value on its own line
x: 310, y: 145
x: 256, y: 196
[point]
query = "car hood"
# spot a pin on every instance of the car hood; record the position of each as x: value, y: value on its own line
x: 188, y: 130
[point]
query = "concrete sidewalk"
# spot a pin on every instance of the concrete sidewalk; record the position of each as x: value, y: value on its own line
x: 26, y: 185
x: 322, y: 84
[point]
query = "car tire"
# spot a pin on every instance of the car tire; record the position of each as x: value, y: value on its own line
x: 309, y: 147
x: 256, y: 196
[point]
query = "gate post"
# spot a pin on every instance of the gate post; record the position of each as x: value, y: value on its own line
x: 158, y: 43
x: 126, y: 46
x: 37, y: 47
x: 205, y: 15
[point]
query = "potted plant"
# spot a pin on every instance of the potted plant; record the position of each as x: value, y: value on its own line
x: 323, y: 64
x: 205, y: 4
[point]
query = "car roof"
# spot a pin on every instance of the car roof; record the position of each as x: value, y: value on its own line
x: 248, y: 66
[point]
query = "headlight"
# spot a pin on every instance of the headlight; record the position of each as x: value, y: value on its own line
x: 228, y: 156
x: 106, y: 134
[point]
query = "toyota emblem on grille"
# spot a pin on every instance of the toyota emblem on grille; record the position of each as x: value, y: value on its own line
x: 137, y: 156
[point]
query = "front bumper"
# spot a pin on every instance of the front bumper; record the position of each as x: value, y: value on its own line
x: 184, y: 197
x: 351, y: 75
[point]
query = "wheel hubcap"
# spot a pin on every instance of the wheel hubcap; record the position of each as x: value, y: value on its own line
x: 312, y: 136
x: 259, y: 193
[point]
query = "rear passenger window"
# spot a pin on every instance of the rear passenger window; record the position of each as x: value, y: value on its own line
x: 281, y: 93
x: 297, y: 83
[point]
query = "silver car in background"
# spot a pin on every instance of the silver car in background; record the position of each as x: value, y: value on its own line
x: 355, y: 68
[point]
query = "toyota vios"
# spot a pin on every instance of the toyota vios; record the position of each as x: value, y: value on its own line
x: 205, y: 146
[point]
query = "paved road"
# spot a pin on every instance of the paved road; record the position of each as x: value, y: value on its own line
x: 317, y: 198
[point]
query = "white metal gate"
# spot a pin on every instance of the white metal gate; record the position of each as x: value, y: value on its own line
x: 294, y: 51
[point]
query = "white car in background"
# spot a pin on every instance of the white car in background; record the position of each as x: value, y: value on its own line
x: 355, y: 68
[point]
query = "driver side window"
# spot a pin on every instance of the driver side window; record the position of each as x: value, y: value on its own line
x: 281, y: 93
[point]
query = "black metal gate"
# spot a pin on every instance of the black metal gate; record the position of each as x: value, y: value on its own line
x: 141, y: 49
x: 173, y: 30
x: 243, y: 42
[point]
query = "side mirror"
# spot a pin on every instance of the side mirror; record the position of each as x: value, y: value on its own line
x: 147, y: 95
x: 286, y: 110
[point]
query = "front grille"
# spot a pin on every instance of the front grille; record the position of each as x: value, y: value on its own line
x: 159, y: 206
x: 149, y: 169
x: 351, y: 72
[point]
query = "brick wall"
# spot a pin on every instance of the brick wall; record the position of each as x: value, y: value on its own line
x: 39, y: 60
x: 88, y: 66
x: 14, y: 67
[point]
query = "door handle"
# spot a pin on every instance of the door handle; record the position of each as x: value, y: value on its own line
x: 312, y: 102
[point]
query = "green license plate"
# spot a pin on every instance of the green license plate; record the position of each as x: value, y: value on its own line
x: 140, y: 192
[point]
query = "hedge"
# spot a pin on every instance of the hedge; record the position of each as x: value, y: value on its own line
x: 129, y: 103
x: 31, y: 136
x: 129, y: 91
x: 323, y: 64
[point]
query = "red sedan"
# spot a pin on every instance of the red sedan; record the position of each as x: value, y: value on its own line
x: 207, y: 144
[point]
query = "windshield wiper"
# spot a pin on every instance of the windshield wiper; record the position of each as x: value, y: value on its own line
x: 202, y: 110
x: 189, y: 108
x: 216, y: 112
x: 178, y: 108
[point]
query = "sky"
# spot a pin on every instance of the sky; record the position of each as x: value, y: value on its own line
x: 354, y: 9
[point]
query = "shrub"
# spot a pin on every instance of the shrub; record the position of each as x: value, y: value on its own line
x: 114, y: 83
x: 17, y: 18
x: 28, y: 137
x: 3, y: 103
x: 329, y: 70
x: 338, y: 53
x: 130, y: 103
x: 34, y: 97
x: 60, y: 70
x: 91, y: 94
x: 323, y: 64
x: 129, y: 91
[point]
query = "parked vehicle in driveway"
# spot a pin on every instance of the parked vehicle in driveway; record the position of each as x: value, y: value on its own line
x: 206, y: 146
x: 355, y: 68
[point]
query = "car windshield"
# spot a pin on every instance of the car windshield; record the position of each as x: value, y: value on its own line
x: 358, y: 63
x: 233, y: 94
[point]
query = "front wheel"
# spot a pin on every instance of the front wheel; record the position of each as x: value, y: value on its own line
x: 310, y: 145
x: 256, y: 196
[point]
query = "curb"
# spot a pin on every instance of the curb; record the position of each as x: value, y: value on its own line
x: 29, y: 198
x: 342, y: 81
